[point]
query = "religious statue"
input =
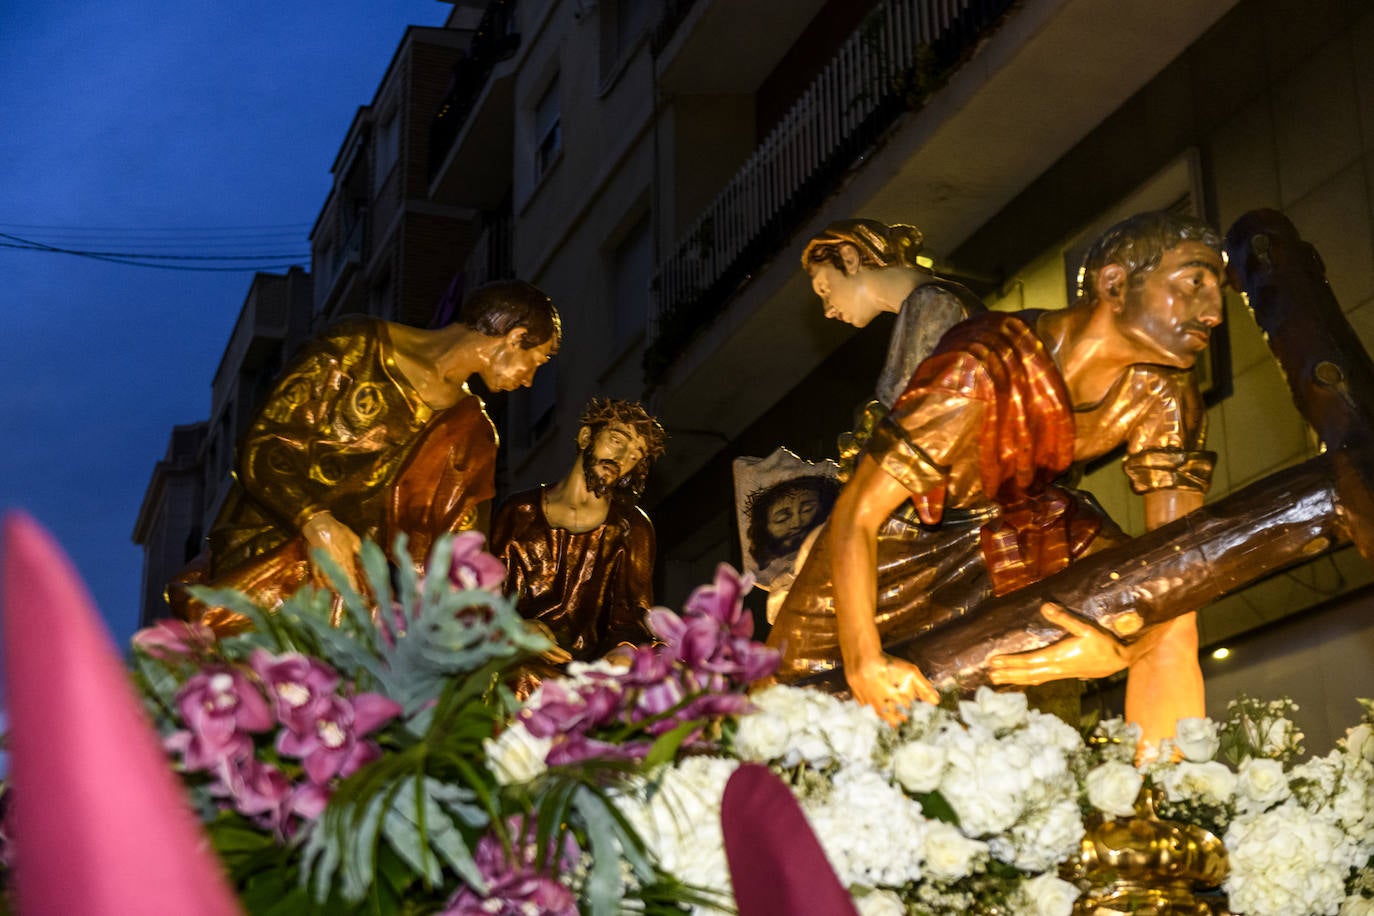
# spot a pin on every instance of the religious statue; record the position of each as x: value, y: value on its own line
x: 580, y: 552
x: 889, y: 276
x: 861, y: 268
x: 370, y: 432
x: 974, y: 446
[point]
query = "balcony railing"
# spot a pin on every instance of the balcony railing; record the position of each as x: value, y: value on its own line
x: 496, y: 40
x: 901, y: 53
x: 346, y: 252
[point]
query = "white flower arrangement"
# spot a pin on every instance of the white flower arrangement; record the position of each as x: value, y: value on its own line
x: 960, y: 813
x: 974, y: 811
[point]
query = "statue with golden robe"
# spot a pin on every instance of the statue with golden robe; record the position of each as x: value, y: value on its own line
x: 956, y: 498
x: 580, y: 552
x: 371, y: 432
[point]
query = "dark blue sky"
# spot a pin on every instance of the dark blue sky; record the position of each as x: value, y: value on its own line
x: 144, y: 115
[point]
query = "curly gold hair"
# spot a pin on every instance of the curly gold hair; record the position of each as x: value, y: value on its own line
x: 878, y: 244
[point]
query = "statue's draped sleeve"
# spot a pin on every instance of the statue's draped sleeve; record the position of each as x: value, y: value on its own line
x: 328, y: 435
x: 1160, y: 416
x: 333, y: 433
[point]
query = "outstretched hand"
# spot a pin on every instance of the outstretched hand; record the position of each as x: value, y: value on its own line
x: 890, y: 685
x: 1086, y: 652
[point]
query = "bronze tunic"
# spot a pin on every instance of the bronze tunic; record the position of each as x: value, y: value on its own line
x: 931, y: 556
x: 592, y: 589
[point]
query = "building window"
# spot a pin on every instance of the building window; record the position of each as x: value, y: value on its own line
x: 631, y: 270
x: 622, y: 24
x: 548, y: 131
x: 386, y: 151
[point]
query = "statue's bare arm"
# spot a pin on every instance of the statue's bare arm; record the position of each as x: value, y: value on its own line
x: 886, y: 683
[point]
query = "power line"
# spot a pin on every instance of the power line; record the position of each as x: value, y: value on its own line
x: 146, y: 260
x: 142, y: 239
x: 156, y: 228
x: 152, y: 256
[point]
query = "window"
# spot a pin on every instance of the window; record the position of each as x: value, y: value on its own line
x: 387, y: 149
x: 548, y: 131
x: 622, y: 23
x: 631, y: 271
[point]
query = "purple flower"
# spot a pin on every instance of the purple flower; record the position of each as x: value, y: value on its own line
x: 170, y: 640
x: 265, y: 794
x: 657, y: 699
x: 648, y: 665
x: 333, y: 745
x: 577, y: 748
x: 473, y: 567
x: 723, y: 601
x: 299, y: 686
x: 712, y: 637
x: 220, y: 706
x: 561, y: 711
x: 515, y: 885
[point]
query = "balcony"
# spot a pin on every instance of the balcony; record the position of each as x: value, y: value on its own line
x: 900, y: 55
x: 721, y: 47
x: 344, y: 255
x: 471, y: 140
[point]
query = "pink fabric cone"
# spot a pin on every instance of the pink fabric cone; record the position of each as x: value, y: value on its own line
x: 100, y: 824
x: 776, y: 864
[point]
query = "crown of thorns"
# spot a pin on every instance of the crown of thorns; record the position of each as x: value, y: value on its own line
x: 601, y: 411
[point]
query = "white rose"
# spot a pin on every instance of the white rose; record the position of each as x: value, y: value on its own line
x: 997, y: 712
x: 880, y: 903
x: 761, y: 736
x: 1045, y: 895
x: 1209, y: 782
x: 1261, y: 783
x: 1197, y: 739
x: 516, y: 756
x: 949, y: 855
x: 851, y: 730
x: 1359, y: 742
x: 918, y: 766
x: 1113, y: 788
x: 1357, y: 906
x: 986, y: 784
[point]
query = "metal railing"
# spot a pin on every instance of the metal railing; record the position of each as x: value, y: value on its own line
x: 496, y: 40
x: 901, y: 53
